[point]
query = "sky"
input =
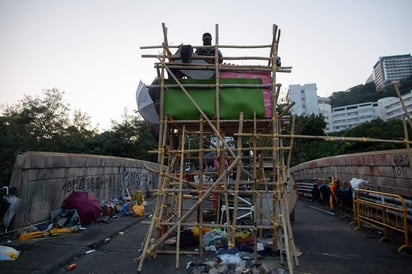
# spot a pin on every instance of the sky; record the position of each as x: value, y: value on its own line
x: 90, y: 49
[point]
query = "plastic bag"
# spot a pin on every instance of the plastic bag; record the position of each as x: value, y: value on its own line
x: 8, y: 253
x: 138, y: 210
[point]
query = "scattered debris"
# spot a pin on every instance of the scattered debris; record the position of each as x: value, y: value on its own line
x: 90, y: 251
x: 8, y: 253
x: 70, y: 267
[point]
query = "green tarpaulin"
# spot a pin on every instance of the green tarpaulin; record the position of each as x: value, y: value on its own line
x: 233, y: 100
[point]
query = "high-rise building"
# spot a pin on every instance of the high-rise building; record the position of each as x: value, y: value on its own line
x: 392, y: 69
x: 305, y: 98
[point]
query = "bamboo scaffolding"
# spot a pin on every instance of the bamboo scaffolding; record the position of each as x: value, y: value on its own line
x: 172, y: 213
x: 265, y: 145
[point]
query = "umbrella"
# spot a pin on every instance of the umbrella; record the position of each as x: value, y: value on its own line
x: 11, y: 210
x: 13, y: 205
x: 145, y: 104
x: 87, y: 205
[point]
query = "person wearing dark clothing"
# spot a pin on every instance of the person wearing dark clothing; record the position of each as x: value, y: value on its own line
x: 315, y: 193
x: 347, y: 196
x: 208, y: 50
x: 325, y: 193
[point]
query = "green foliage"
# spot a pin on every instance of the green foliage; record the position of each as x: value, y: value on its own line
x: 309, y: 149
x: 131, y: 138
x: 375, y: 129
x: 45, y: 123
x: 309, y: 125
x: 367, y: 93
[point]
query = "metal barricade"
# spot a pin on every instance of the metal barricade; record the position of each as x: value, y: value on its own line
x: 382, y: 210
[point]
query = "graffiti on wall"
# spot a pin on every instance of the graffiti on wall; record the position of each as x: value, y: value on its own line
x: 134, y: 179
x: 128, y: 179
x: 401, y: 160
x: 88, y: 183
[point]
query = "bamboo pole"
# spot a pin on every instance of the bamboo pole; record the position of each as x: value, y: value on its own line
x: 155, y: 218
x: 405, y: 132
x: 217, y: 82
x: 220, y: 46
x: 207, y: 86
x: 223, y: 67
x: 274, y: 140
x: 292, y: 129
x: 201, y: 168
x: 165, y: 44
x: 335, y: 138
x: 396, y: 86
x: 232, y: 230
x: 180, y: 195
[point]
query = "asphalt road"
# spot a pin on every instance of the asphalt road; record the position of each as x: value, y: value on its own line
x: 331, y: 245
x: 328, y: 245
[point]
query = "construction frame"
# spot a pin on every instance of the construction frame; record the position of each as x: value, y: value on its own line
x: 249, y: 187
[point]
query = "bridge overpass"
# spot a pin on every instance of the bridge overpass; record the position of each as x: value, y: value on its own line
x: 44, y: 179
x: 385, y: 200
x: 385, y: 171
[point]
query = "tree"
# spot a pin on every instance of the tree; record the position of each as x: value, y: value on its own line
x: 40, y: 124
x: 377, y: 129
x: 130, y: 138
x: 309, y: 149
x: 367, y: 93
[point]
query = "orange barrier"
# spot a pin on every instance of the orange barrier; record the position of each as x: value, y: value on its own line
x: 382, y: 210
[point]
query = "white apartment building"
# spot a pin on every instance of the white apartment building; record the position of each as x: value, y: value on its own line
x: 392, y: 69
x: 388, y: 108
x: 391, y: 107
x: 346, y: 117
x: 305, y: 98
x: 326, y: 110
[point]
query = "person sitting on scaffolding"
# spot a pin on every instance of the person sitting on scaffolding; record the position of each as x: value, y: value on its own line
x: 208, y: 50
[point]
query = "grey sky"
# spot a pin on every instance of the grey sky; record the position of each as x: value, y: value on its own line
x: 90, y: 49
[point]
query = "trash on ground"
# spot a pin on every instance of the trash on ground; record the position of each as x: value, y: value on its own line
x: 87, y: 205
x: 8, y: 253
x: 138, y: 210
x: 90, y: 251
x: 70, y: 267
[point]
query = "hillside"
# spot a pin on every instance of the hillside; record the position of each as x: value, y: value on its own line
x: 367, y: 93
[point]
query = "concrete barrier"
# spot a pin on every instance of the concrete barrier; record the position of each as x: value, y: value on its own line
x: 44, y: 179
x: 387, y: 171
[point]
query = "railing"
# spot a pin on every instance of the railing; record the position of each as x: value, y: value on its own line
x: 387, y: 212
x: 305, y: 189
